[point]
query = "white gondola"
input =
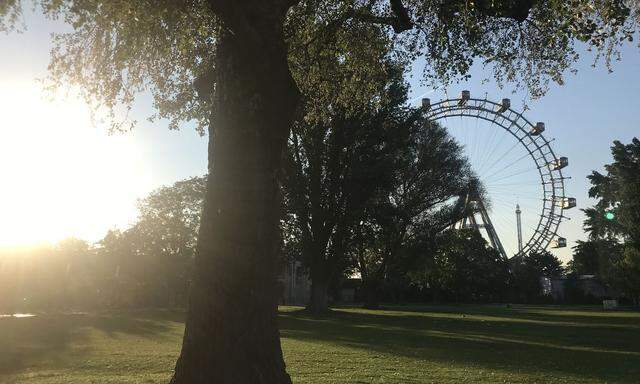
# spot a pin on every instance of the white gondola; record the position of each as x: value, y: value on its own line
x: 506, y: 104
x: 426, y: 103
x: 538, y: 129
x: 559, y: 163
x: 568, y: 202
x: 559, y: 242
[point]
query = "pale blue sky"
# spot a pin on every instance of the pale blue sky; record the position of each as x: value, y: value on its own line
x: 585, y: 115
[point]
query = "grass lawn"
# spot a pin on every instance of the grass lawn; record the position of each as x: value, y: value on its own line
x: 429, y: 344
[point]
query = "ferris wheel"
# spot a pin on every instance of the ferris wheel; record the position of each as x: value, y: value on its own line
x: 524, y: 199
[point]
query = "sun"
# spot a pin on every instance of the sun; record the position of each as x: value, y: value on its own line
x: 60, y: 175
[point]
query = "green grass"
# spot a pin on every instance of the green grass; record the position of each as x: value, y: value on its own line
x: 430, y: 344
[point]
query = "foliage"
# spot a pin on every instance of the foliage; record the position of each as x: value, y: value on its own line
x: 148, y: 264
x: 527, y: 270
x: 546, y: 263
x: 10, y: 12
x: 151, y: 261
x: 464, y: 269
x: 335, y: 163
x: 629, y: 274
x: 169, y: 219
x: 120, y: 49
x: 617, y: 191
x: 596, y: 257
x: 585, y: 258
x: 48, y: 277
x: 419, y: 201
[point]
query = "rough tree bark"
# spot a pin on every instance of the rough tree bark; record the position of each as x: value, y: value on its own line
x: 231, y: 334
x: 319, y: 298
x: 371, y: 289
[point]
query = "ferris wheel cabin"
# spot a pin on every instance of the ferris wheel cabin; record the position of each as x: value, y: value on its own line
x: 537, y: 129
x: 559, y: 242
x: 559, y: 163
x: 568, y: 202
x: 504, y: 105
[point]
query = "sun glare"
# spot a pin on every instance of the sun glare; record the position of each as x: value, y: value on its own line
x: 60, y: 175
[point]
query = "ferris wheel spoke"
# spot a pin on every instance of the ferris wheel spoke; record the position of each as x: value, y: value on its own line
x: 529, y: 198
x: 476, y: 142
x: 511, y: 191
x: 513, y: 184
x: 497, y: 161
x: 487, y: 150
x: 518, y: 160
x: 490, y: 155
x: 515, y: 174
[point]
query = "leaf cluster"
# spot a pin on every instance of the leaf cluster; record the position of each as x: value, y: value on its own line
x: 617, y: 191
x: 121, y: 49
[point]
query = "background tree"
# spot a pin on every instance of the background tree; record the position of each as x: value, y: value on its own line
x: 617, y: 193
x: 464, y: 268
x: 337, y: 157
x: 225, y: 63
x: 59, y: 277
x: 147, y: 265
x: 150, y: 264
x: 527, y: 270
x: 585, y: 259
x: 629, y: 274
x: 428, y: 175
x: 168, y: 225
x: 613, y: 223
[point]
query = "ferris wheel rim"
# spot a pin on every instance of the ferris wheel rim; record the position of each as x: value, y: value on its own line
x: 551, y: 180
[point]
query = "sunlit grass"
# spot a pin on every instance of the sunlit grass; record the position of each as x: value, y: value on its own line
x: 432, y: 344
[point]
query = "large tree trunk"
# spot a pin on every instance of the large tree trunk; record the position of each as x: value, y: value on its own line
x: 371, y: 287
x: 319, y: 300
x: 231, y: 335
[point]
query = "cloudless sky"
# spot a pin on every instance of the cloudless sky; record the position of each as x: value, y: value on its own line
x: 63, y: 176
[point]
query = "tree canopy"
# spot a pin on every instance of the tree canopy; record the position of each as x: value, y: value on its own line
x: 613, y: 223
x: 617, y: 192
x: 119, y: 49
x: 464, y: 268
x: 419, y: 200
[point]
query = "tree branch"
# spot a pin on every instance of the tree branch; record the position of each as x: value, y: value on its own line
x: 400, y: 21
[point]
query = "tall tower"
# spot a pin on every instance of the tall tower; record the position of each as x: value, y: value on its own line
x: 519, y: 225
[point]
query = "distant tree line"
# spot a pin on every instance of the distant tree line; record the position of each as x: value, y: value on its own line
x: 148, y: 264
x: 393, y: 236
x: 369, y: 190
x: 375, y: 200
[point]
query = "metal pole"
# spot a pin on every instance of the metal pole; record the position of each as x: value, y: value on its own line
x: 519, y: 225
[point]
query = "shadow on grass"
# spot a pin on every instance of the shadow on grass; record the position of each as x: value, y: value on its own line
x: 508, y: 339
x: 580, y: 343
x: 25, y: 342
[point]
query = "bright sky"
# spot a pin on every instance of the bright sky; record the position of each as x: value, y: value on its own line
x: 62, y: 176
